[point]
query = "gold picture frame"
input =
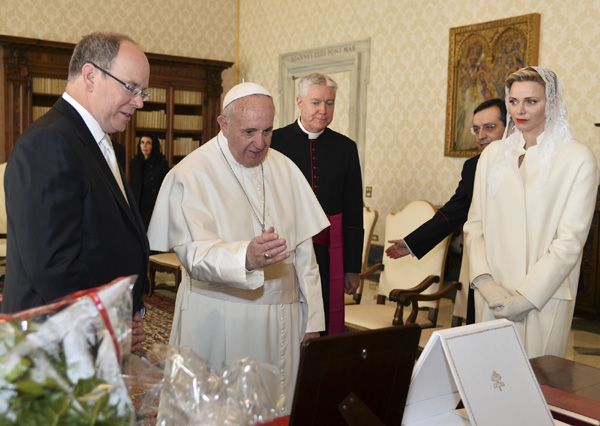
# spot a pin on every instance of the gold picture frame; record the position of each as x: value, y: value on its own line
x: 480, y: 58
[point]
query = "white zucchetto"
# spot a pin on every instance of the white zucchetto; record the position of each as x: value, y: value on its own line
x: 244, y: 89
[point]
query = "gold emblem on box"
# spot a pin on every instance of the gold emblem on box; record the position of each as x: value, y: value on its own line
x: 497, y: 380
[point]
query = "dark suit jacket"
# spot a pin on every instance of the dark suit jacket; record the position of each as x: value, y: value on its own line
x: 120, y: 154
x: 69, y: 226
x: 449, y: 218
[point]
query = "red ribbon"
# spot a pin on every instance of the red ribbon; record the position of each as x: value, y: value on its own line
x: 104, y: 314
x: 69, y: 299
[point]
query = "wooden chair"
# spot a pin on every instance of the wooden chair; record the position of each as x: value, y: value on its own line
x: 407, y: 275
x: 369, y: 220
x: 163, y: 262
x: 412, y: 298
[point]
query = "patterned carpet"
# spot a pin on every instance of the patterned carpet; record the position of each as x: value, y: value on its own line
x: 159, y: 316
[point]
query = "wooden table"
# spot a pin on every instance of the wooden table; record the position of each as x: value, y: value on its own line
x: 571, y: 389
x: 567, y: 375
x: 560, y: 373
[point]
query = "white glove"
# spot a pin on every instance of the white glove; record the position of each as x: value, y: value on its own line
x: 493, y: 293
x: 514, y: 309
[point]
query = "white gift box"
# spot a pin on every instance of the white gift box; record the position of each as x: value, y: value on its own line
x: 486, y: 366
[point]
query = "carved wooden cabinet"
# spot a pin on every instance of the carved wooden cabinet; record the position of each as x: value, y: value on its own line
x: 182, y: 109
x: 588, y: 296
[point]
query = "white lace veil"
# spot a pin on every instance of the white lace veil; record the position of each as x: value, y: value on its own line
x: 556, y: 110
x: 556, y: 132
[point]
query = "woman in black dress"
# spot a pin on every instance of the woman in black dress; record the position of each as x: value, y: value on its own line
x: 148, y: 169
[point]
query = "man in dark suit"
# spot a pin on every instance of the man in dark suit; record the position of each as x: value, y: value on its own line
x: 72, y: 223
x: 121, y: 154
x: 489, y: 121
x: 329, y: 161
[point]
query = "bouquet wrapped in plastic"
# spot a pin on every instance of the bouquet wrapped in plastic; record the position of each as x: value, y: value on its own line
x: 187, y: 392
x: 60, y: 363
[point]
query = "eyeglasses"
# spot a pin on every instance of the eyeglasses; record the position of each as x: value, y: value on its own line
x: 488, y: 127
x: 131, y: 89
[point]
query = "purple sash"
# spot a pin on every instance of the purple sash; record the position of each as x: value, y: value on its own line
x: 333, y: 238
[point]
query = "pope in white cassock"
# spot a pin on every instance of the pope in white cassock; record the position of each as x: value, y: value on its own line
x: 241, y: 217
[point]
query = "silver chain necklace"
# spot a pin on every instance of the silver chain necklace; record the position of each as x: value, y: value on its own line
x: 262, y: 171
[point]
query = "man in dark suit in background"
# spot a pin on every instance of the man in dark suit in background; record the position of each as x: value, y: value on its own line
x: 329, y: 161
x: 72, y: 224
x: 489, y: 121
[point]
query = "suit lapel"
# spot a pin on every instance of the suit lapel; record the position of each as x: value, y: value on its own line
x: 91, y: 146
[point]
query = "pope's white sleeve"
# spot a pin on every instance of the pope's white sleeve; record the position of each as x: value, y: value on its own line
x: 217, y: 261
x: 309, y: 282
x: 177, y: 224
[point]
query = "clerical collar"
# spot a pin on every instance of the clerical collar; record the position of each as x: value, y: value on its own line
x: 311, y: 135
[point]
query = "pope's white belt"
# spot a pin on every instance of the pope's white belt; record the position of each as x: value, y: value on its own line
x: 280, y: 287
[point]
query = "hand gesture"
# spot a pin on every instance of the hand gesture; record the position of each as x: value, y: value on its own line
x: 265, y: 249
x: 351, y: 282
x: 397, y: 249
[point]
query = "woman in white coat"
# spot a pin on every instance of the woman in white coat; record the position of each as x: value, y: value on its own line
x: 532, y: 207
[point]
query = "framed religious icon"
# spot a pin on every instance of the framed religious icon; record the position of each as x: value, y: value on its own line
x: 481, y: 57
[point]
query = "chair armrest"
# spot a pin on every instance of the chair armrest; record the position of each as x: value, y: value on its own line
x: 357, y: 296
x: 370, y: 270
x: 413, y: 298
x: 422, y: 286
